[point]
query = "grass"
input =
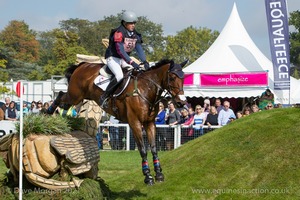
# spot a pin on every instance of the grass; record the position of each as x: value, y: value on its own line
x: 256, y: 157
x: 49, y: 125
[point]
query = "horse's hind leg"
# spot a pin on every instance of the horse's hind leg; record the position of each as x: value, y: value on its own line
x: 151, y: 132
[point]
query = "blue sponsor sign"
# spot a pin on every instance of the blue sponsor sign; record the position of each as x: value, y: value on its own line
x: 279, y: 42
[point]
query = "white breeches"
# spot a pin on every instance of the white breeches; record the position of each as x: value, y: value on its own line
x: 116, y: 65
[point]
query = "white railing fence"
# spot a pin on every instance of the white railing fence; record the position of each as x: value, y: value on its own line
x: 120, y: 136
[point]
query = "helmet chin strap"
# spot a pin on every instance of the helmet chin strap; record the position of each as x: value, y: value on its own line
x: 130, y: 33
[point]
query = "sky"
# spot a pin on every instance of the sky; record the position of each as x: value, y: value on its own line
x: 173, y: 15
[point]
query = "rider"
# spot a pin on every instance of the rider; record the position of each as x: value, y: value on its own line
x: 122, y: 41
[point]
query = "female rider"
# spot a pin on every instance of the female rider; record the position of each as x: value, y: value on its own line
x: 122, y: 41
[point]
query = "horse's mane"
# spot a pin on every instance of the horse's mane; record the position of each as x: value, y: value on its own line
x: 69, y: 71
x: 161, y: 63
x: 174, y: 68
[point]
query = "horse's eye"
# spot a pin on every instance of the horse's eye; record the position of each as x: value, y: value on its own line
x: 172, y: 78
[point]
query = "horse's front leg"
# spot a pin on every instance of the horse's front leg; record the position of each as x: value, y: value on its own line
x: 138, y: 136
x: 151, y: 132
x: 145, y: 166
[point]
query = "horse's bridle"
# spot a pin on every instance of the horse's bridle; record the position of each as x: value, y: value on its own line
x: 170, y: 86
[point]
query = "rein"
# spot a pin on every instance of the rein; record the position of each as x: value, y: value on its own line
x: 137, y: 92
x: 159, y: 88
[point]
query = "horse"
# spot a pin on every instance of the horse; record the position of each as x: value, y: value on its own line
x: 137, y: 105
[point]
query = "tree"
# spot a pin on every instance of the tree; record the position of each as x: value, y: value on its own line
x: 2, y: 60
x: 295, y: 39
x: 20, y: 50
x: 46, y: 40
x: 4, y: 90
x: 152, y: 37
x: 296, y: 74
x: 20, y: 41
x: 88, y: 33
x: 64, y: 50
x: 35, y: 75
x: 189, y: 43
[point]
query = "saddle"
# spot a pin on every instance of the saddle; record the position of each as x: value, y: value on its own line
x: 105, y: 73
x: 105, y: 76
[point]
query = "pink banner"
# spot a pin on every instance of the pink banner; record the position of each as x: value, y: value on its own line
x: 188, y: 79
x: 255, y: 79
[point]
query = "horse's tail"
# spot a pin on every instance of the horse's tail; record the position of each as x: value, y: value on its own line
x: 69, y: 71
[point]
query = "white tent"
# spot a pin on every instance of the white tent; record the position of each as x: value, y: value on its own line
x: 234, y: 52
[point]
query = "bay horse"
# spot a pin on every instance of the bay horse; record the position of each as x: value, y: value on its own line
x: 138, y: 110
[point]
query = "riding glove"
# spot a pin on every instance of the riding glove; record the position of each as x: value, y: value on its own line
x: 135, y: 65
x: 146, y: 65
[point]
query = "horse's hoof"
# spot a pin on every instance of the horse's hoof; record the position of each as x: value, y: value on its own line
x: 159, y: 177
x: 149, y: 180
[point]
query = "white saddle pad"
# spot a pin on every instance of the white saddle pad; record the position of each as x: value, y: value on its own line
x: 102, y: 82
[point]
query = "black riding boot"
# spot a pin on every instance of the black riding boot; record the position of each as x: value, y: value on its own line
x: 110, y: 88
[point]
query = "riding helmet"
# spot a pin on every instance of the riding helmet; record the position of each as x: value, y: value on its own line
x: 129, y: 16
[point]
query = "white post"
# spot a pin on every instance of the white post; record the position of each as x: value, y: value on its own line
x: 127, y: 137
x: 21, y: 144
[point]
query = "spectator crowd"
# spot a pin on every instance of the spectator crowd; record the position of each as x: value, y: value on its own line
x: 8, y: 110
x: 203, y: 118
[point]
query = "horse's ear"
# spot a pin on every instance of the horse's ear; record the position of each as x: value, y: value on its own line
x: 184, y: 63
